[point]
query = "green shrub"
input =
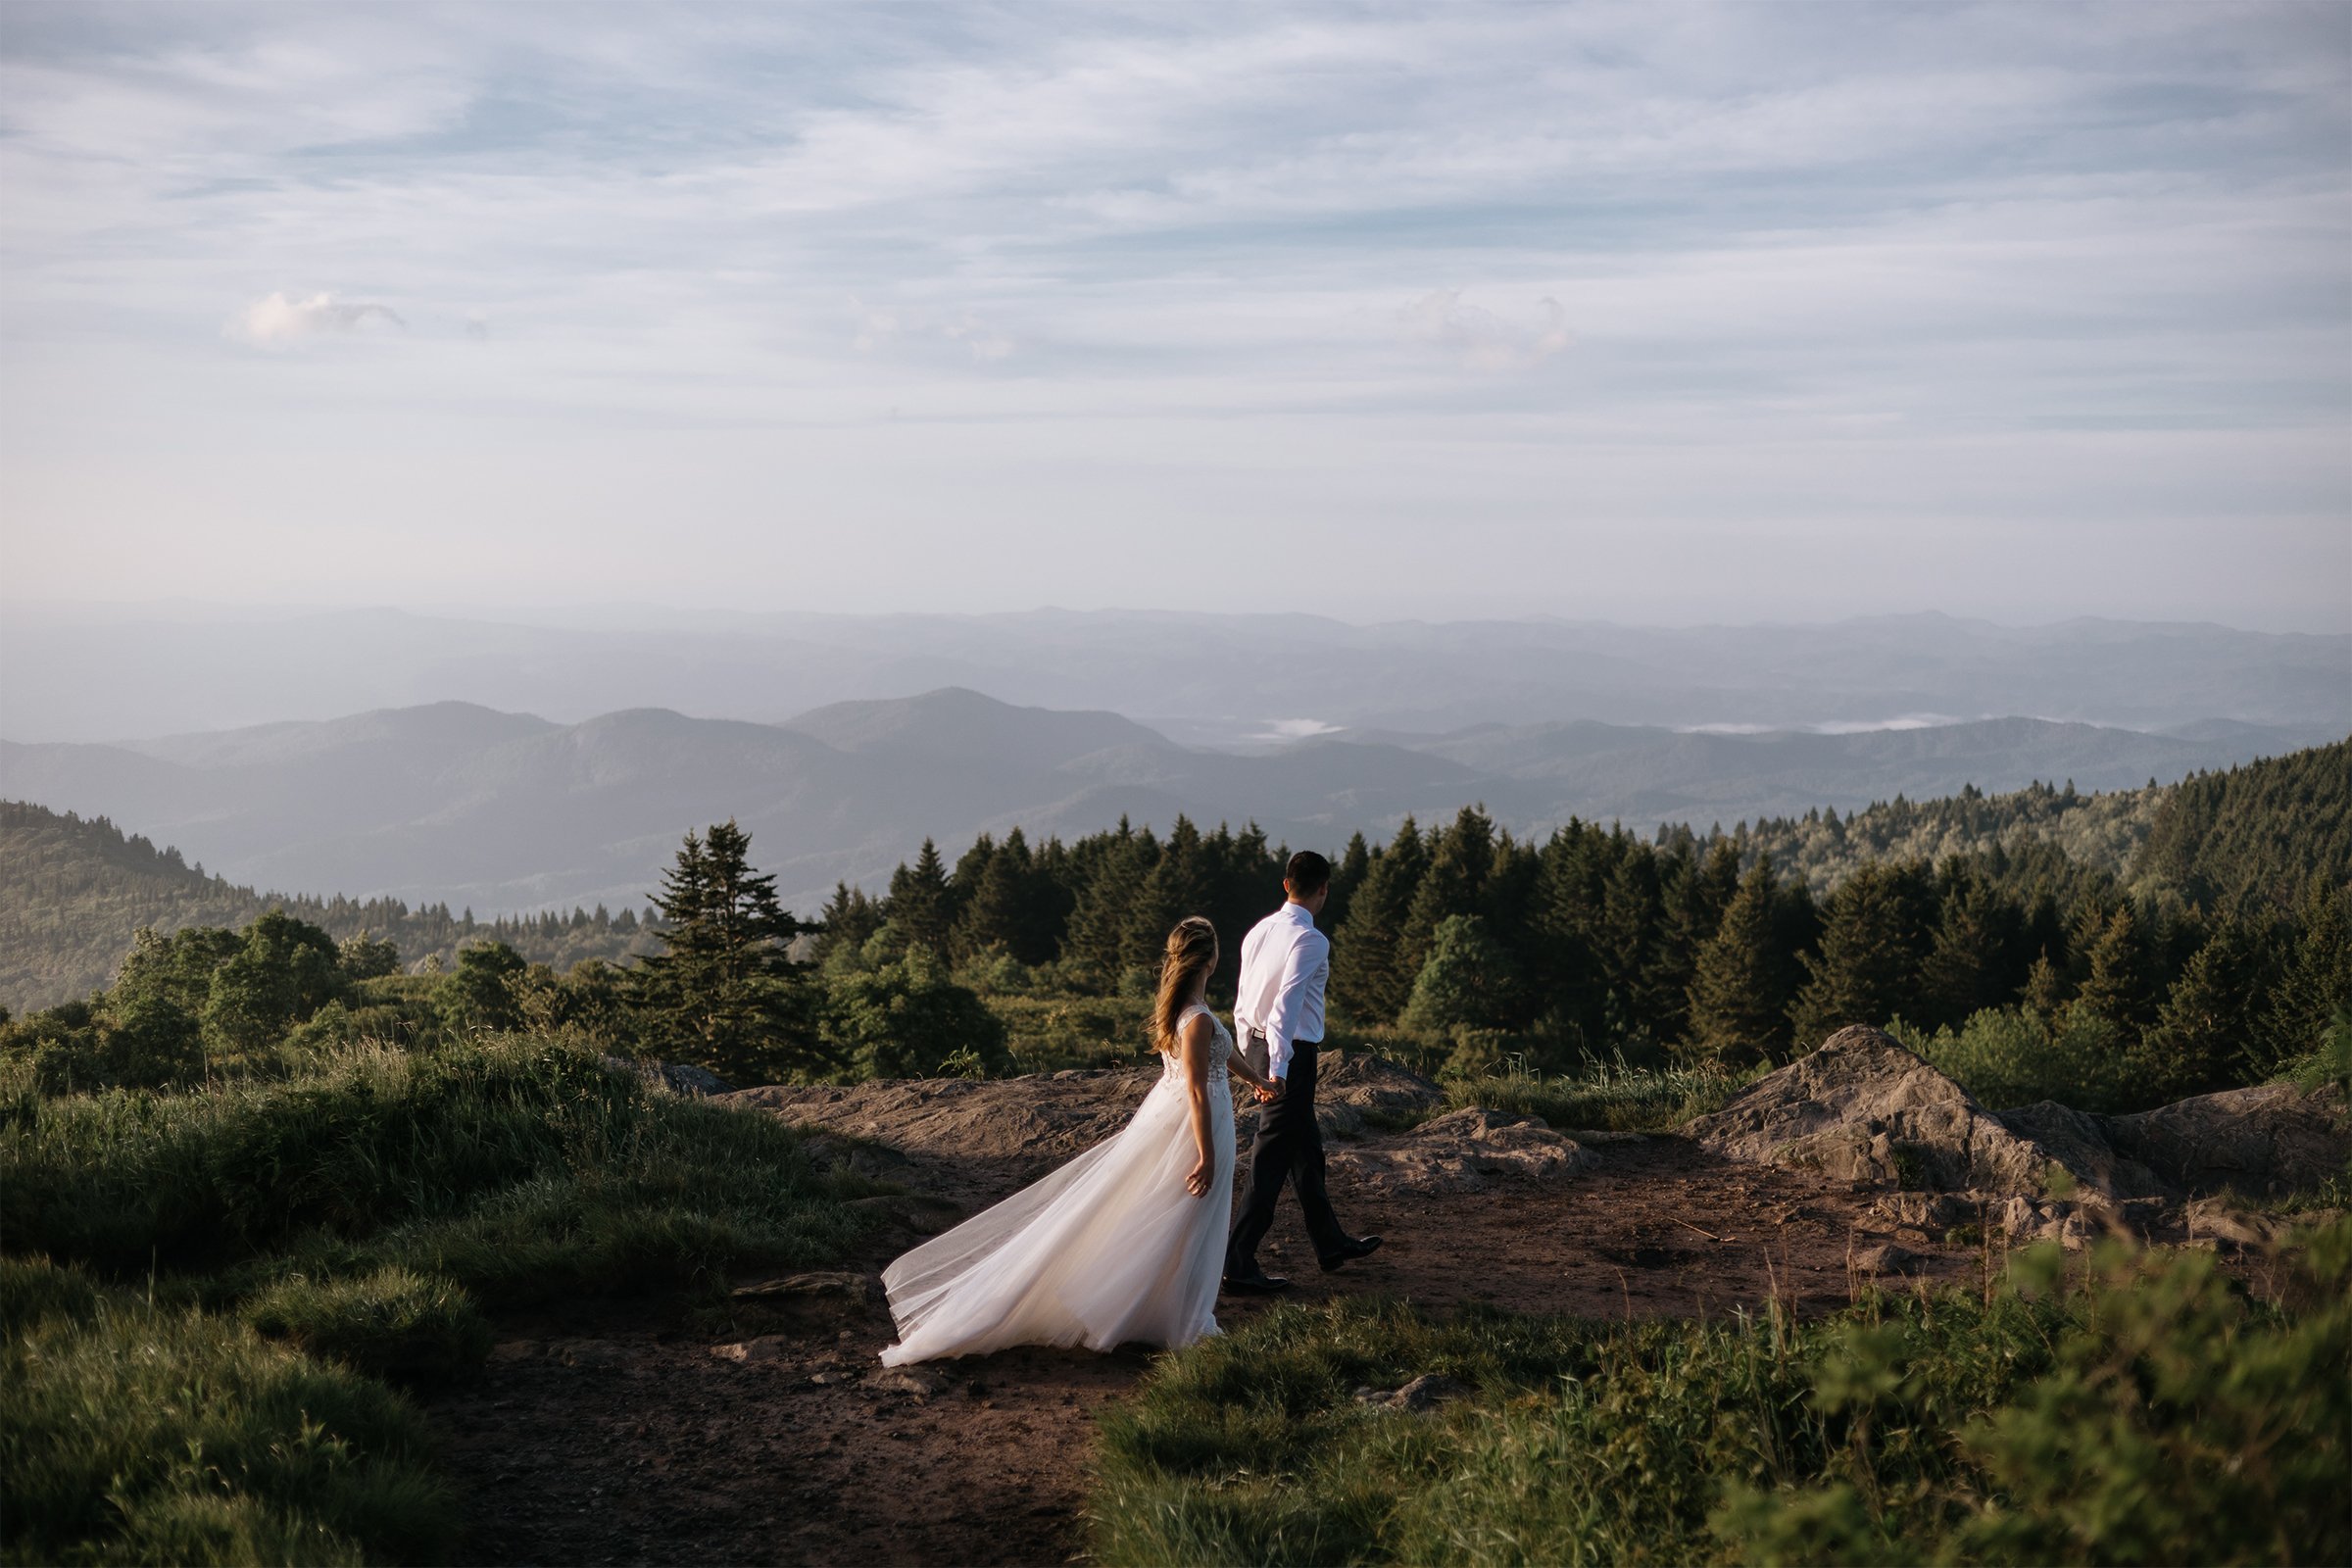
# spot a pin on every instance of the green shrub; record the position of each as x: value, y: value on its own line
x: 2153, y: 1414
x: 2011, y: 1056
x: 131, y: 1433
x: 905, y: 1019
x: 393, y: 1323
x: 1051, y: 1033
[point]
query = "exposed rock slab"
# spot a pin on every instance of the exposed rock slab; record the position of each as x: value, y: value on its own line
x: 1459, y: 1153
x: 2266, y: 1141
x: 1863, y: 1109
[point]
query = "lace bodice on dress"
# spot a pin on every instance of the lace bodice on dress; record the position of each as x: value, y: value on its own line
x: 1220, y: 1049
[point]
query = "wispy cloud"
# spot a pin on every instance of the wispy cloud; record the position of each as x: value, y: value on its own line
x: 1480, y: 339
x: 1324, y: 275
x: 278, y: 320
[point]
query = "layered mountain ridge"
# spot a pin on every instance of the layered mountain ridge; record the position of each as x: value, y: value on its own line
x: 509, y: 811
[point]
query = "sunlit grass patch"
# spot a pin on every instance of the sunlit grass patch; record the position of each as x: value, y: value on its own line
x: 2149, y: 1413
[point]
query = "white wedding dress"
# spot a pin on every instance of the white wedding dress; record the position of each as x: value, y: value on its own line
x: 1109, y: 1249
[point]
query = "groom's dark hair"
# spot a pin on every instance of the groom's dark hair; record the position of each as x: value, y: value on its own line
x: 1306, y: 875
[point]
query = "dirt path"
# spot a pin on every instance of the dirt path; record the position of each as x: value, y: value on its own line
x: 616, y: 1436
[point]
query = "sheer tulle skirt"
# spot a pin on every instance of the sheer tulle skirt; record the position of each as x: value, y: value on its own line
x: 1109, y: 1249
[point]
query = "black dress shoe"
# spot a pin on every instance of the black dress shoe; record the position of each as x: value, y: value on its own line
x: 1255, y: 1283
x: 1356, y: 1248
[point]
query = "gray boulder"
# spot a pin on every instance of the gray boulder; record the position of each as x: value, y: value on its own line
x: 2266, y: 1141
x: 1862, y: 1109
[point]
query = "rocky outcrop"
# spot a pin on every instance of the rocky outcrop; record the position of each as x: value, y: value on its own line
x: 1358, y: 1094
x: 1460, y: 1153
x: 2266, y: 1141
x: 1863, y: 1109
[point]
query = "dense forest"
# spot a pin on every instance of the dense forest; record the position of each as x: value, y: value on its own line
x: 72, y: 891
x: 2217, y: 956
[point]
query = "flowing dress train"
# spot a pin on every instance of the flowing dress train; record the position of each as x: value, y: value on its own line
x: 1109, y: 1248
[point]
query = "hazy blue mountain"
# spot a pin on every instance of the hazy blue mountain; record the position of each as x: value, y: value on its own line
x: 95, y: 674
x: 508, y: 811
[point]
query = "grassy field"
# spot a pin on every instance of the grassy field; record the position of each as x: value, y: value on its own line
x: 2145, y: 1412
x: 1616, y: 1098
x: 214, y: 1298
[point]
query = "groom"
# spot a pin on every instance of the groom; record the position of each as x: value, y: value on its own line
x: 1278, y: 1013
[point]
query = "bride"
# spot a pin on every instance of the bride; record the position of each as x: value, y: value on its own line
x: 1126, y: 1241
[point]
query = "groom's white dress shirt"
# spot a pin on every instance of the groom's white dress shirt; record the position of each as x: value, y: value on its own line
x: 1285, y: 965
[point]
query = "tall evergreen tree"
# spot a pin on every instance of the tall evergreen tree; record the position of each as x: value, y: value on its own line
x: 1460, y: 858
x: 1181, y: 882
x: 920, y: 903
x: 1009, y: 909
x: 1740, y: 988
x: 1096, y: 946
x: 1865, y: 968
x: 1368, y: 980
x: 2204, y: 1033
x: 2118, y: 980
x: 725, y: 987
x: 1353, y: 865
x: 1977, y: 957
x: 849, y: 918
x: 2315, y: 980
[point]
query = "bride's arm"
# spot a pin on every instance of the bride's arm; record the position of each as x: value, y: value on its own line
x: 1199, y: 1039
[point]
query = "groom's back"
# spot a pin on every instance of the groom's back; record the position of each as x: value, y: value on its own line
x: 1266, y: 954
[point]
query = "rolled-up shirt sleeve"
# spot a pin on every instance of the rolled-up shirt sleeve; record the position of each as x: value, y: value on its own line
x: 1303, y: 970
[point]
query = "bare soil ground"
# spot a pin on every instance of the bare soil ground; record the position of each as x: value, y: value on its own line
x: 614, y: 1434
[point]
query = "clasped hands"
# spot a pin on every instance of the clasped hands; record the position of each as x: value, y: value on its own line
x: 1267, y: 1093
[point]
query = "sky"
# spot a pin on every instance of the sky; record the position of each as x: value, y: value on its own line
x: 1654, y: 313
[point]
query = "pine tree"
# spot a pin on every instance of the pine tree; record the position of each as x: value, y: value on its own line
x: 724, y: 988
x: 2116, y: 982
x: 1470, y: 981
x: 2204, y: 1033
x: 1368, y: 978
x: 1738, y: 999
x: 1354, y: 864
x: 2315, y: 980
x: 1183, y: 882
x: 1008, y: 910
x: 1095, y: 949
x: 1460, y: 858
x: 920, y: 906
x: 849, y: 918
x: 1974, y: 957
x: 1865, y: 968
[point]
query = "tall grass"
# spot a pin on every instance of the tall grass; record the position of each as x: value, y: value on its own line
x: 130, y: 1432
x: 1611, y: 1096
x: 2152, y: 1415
x: 516, y: 1168
x: 205, y: 1294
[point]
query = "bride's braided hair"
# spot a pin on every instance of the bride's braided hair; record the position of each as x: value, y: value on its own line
x: 1192, y: 950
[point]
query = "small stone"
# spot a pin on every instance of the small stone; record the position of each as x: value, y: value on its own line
x: 1886, y: 1258
x: 916, y: 1382
x: 766, y: 1348
x: 1427, y: 1391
